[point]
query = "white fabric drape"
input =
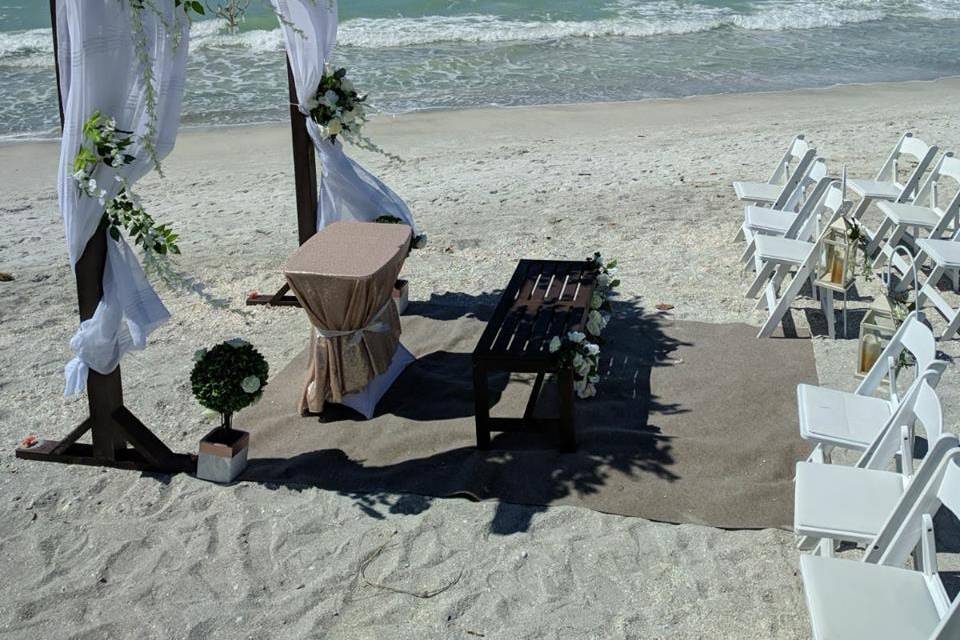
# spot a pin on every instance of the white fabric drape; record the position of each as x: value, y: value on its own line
x: 100, y: 72
x: 346, y: 190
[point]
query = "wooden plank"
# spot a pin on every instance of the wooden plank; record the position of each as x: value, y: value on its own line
x: 502, y: 308
x: 73, y: 436
x: 523, y: 425
x: 56, y: 57
x: 304, y: 165
x: 129, y: 459
x: 540, y: 336
x: 272, y: 301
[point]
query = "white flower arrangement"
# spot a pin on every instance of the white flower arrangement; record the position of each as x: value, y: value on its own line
x: 599, y: 314
x: 581, y: 350
x: 581, y: 355
x: 105, y: 145
x: 338, y: 109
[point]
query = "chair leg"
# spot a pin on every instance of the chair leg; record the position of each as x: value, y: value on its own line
x: 761, y: 278
x: 826, y: 303
x: 878, y: 238
x: 952, y: 328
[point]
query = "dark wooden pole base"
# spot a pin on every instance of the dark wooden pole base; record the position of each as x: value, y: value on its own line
x: 145, y: 453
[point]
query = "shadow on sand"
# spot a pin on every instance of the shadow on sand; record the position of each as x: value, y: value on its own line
x: 617, y: 431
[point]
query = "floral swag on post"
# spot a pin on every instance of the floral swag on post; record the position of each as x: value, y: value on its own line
x: 337, y: 107
x: 104, y: 145
x: 581, y: 350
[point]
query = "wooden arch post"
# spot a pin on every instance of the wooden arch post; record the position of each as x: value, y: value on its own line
x: 305, y: 183
x: 119, y: 439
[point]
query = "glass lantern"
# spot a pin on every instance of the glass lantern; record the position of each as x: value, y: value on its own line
x: 877, y: 328
x: 836, y: 269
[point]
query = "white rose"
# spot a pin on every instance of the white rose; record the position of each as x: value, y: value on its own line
x: 603, y: 280
x: 596, y: 301
x: 578, y: 361
x: 594, y: 323
x: 80, y: 175
x: 348, y: 116
x: 334, y: 127
x: 311, y: 103
x: 588, y: 391
x: 576, y: 337
x: 555, y: 344
x: 579, y: 386
x: 330, y: 98
x: 346, y: 85
x: 199, y: 354
x: 250, y: 384
x: 92, y: 185
x: 593, y: 349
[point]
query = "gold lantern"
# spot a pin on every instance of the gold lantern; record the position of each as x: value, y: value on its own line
x: 836, y: 270
x: 877, y: 328
x: 836, y: 267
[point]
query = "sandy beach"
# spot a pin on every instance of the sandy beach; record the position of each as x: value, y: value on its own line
x: 96, y: 553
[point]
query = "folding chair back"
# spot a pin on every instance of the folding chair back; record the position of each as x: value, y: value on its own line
x: 914, y: 336
x: 806, y: 223
x: 915, y: 528
x: 929, y: 193
x: 815, y: 171
x: 920, y: 403
x: 911, y: 147
x: 795, y: 153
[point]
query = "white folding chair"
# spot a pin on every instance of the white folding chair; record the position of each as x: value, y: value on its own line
x: 851, y: 420
x: 903, y: 222
x: 800, y: 225
x: 945, y: 256
x: 787, y: 185
x: 878, y: 598
x: 836, y: 503
x: 885, y: 185
x: 786, y: 176
x: 775, y: 258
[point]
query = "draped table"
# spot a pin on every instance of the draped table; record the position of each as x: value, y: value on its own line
x: 343, y: 277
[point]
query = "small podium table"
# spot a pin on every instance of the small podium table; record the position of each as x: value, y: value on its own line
x: 343, y: 278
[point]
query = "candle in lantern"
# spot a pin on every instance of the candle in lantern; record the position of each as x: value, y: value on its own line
x: 870, y: 350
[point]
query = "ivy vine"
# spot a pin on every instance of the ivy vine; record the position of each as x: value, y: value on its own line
x: 104, y: 144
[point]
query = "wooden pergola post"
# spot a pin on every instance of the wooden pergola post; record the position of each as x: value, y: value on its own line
x: 119, y: 439
x: 305, y: 184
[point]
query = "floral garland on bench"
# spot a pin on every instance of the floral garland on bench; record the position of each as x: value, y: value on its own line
x: 580, y: 350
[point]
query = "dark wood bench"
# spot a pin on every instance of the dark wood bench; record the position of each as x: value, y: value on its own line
x: 544, y: 298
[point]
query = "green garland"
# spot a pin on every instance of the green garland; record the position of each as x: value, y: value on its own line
x: 106, y: 145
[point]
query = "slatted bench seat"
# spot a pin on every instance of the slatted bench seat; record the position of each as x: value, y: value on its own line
x: 544, y: 298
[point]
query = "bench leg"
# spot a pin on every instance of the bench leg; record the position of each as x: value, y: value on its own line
x: 568, y: 436
x: 481, y: 399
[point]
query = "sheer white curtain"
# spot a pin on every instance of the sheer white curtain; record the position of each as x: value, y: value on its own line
x: 347, y: 191
x: 100, y: 72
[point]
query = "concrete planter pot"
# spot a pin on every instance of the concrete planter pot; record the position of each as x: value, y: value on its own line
x: 223, y: 454
x: 401, y: 295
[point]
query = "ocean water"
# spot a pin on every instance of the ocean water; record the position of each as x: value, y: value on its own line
x: 427, y: 54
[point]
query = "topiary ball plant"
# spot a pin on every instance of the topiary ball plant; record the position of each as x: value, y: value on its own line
x: 228, y: 377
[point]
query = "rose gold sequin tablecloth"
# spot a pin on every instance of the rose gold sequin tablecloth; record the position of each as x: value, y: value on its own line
x: 343, y: 277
